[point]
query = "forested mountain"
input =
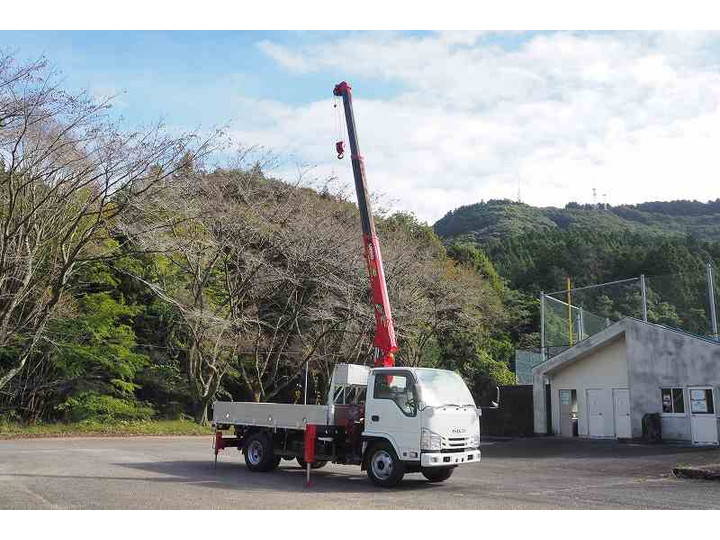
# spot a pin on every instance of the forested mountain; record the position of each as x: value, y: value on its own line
x: 502, y: 218
x: 537, y: 249
x: 225, y: 283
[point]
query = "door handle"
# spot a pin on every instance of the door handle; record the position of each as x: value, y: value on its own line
x: 375, y: 418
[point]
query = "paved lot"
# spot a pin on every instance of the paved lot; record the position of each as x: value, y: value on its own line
x: 178, y: 473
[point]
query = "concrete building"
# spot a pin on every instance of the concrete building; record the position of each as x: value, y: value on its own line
x: 604, y: 385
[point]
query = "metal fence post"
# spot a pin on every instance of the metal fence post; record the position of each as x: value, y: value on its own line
x: 542, y: 325
x: 711, y: 298
x: 644, y: 296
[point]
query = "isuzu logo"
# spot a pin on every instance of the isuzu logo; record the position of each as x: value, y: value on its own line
x: 458, y: 430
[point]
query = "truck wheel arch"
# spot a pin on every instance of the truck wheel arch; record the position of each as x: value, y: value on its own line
x: 369, y: 442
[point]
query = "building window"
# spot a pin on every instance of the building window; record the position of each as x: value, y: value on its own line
x: 672, y: 400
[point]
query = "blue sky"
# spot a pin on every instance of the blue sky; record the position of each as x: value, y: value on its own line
x: 445, y: 118
x: 186, y: 76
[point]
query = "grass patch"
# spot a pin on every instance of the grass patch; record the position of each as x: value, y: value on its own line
x: 115, y: 429
x: 705, y: 472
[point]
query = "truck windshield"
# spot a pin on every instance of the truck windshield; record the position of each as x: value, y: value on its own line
x: 441, y: 387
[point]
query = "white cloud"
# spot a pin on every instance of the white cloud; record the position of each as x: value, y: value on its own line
x: 286, y: 58
x: 636, y: 115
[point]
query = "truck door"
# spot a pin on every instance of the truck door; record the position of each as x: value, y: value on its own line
x: 391, y: 411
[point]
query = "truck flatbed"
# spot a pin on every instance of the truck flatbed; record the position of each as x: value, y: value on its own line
x: 270, y: 415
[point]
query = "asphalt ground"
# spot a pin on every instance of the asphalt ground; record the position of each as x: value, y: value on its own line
x: 178, y: 473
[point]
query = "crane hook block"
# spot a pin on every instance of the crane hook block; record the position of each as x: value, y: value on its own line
x: 340, y: 149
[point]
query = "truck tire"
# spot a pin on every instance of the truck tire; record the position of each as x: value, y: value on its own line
x: 384, y: 468
x: 259, y: 455
x: 439, y: 474
x: 315, y: 465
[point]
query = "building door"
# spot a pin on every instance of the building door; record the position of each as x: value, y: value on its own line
x: 595, y: 408
x: 621, y: 408
x: 568, y: 413
x: 565, y: 413
x: 703, y: 423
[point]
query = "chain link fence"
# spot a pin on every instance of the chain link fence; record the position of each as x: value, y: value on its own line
x: 686, y: 301
x: 525, y: 361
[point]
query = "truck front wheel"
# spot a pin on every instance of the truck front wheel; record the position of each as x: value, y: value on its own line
x: 259, y: 455
x: 439, y: 474
x: 384, y: 468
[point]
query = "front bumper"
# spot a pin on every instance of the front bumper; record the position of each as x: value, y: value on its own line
x: 443, y: 459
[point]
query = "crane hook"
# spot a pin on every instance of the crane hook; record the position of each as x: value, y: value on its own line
x: 340, y: 149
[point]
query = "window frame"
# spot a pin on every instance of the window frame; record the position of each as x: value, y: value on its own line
x: 710, y: 402
x: 410, y: 378
x: 672, y: 401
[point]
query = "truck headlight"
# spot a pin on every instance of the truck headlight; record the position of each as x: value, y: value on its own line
x: 474, y: 441
x: 429, y: 440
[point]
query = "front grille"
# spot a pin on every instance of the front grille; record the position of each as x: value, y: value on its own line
x: 452, y: 450
x: 455, y: 444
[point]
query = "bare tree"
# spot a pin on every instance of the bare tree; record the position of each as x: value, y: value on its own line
x: 267, y: 276
x: 249, y: 262
x: 67, y: 172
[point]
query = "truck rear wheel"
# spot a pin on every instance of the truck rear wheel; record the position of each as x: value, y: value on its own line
x: 315, y: 465
x: 259, y: 455
x: 384, y: 468
x: 439, y: 474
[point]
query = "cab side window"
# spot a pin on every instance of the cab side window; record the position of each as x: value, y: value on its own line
x: 399, y: 388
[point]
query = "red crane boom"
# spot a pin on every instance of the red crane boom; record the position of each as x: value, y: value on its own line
x: 384, y: 342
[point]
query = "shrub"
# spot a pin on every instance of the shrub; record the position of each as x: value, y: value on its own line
x: 90, y: 406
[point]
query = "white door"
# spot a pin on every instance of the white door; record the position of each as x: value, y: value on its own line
x: 703, y: 422
x: 595, y: 408
x: 391, y: 411
x: 621, y: 407
x: 566, y: 420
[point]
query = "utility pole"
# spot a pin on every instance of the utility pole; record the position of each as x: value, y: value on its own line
x: 711, y: 298
x: 542, y: 325
x: 569, y: 316
x: 644, y: 296
x: 307, y: 362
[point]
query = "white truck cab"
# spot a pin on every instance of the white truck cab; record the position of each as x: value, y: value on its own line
x: 428, y: 415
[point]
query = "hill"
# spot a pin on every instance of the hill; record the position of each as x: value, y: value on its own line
x: 535, y: 249
x: 502, y: 218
